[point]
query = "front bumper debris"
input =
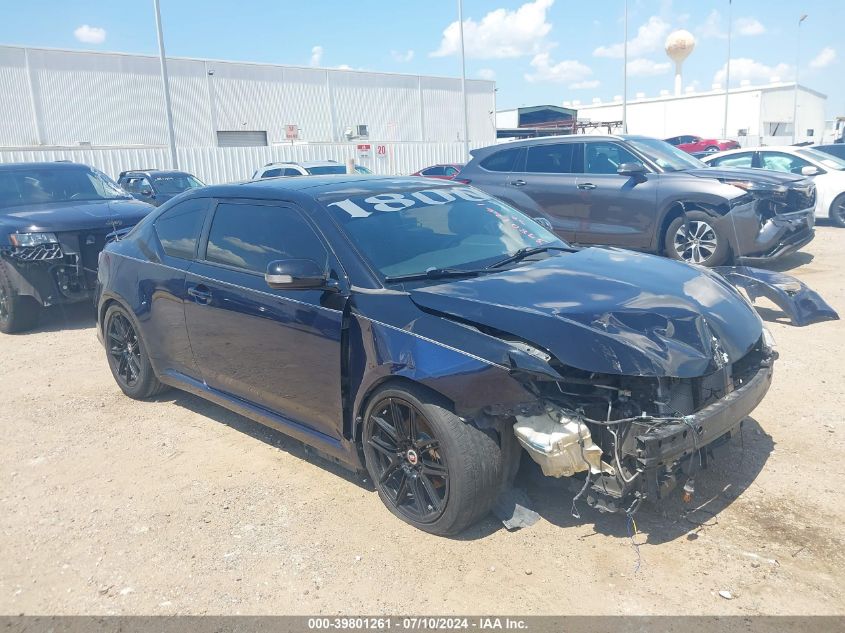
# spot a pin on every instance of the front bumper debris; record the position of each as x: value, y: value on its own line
x: 802, y: 305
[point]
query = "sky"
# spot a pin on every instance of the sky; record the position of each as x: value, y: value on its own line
x: 537, y: 51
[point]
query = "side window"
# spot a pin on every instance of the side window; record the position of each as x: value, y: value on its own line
x: 501, y: 161
x: 179, y: 227
x: 132, y: 184
x: 291, y: 171
x: 675, y: 140
x: 691, y: 139
x: 450, y: 171
x: 434, y: 171
x: 734, y: 160
x: 604, y: 157
x: 250, y: 236
x: 779, y: 161
x: 557, y: 158
x: 271, y: 173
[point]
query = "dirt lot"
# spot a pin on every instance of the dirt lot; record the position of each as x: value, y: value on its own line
x: 177, y: 506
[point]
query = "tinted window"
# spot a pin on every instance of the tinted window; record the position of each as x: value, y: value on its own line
x: 179, y: 227
x: 450, y: 171
x: 674, y: 140
x: 605, y: 158
x: 271, y: 173
x: 551, y: 159
x: 55, y: 184
x: 734, y: 160
x: 251, y: 236
x: 291, y: 171
x: 501, y: 161
x: 434, y: 171
x: 323, y: 170
x: 783, y: 162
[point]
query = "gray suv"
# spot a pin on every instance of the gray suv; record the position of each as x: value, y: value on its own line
x: 644, y: 194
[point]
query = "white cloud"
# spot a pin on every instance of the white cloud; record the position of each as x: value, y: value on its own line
x: 90, y: 34
x: 401, y: 57
x: 567, y: 71
x: 712, y: 27
x: 487, y: 73
x: 647, y: 68
x: 316, y: 55
x: 501, y: 33
x: 753, y: 71
x: 824, y: 59
x: 749, y: 26
x: 650, y: 37
x: 589, y: 84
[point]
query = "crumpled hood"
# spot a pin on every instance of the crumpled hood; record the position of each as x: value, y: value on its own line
x: 766, y: 176
x: 54, y: 217
x: 609, y: 311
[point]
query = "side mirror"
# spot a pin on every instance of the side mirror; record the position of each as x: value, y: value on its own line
x: 295, y: 274
x: 545, y: 223
x: 809, y: 170
x: 632, y: 170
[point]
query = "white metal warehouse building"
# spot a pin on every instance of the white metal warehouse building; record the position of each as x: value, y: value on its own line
x: 757, y: 115
x: 107, y: 109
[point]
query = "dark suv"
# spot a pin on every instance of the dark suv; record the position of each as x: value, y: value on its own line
x: 156, y: 186
x: 644, y: 194
x: 54, y: 221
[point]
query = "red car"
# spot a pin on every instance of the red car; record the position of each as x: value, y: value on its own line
x: 691, y: 144
x: 444, y: 172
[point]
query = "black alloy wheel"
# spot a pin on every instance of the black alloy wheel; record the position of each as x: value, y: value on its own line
x: 5, y: 304
x: 410, y: 469
x: 837, y: 211
x: 125, y: 350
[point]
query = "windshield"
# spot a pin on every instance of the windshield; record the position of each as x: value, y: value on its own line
x: 666, y: 156
x: 362, y: 170
x: 408, y: 231
x: 831, y: 162
x: 176, y: 183
x: 323, y: 170
x: 49, y: 184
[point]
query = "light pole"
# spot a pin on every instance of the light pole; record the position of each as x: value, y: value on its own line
x: 171, y: 135
x: 728, y: 70
x: 625, y: 75
x: 463, y: 78
x: 795, y: 95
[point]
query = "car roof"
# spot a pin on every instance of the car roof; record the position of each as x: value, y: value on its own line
x: 306, y: 164
x: 316, y: 186
x: 154, y: 172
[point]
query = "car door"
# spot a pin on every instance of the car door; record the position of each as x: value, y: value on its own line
x: 620, y: 210
x: 543, y: 184
x: 279, y: 350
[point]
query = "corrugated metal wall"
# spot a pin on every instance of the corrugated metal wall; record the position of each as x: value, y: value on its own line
x: 60, y: 98
x: 215, y: 165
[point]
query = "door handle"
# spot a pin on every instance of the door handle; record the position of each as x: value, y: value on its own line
x: 201, y: 294
x: 518, y: 183
x: 586, y: 186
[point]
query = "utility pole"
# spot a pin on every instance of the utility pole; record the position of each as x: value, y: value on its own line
x: 728, y: 69
x: 171, y: 135
x: 625, y: 75
x: 463, y: 78
x: 795, y: 95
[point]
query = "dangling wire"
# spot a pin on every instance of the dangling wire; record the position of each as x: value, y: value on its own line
x: 632, y: 534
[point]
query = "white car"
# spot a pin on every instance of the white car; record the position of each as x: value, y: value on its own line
x: 310, y: 168
x: 828, y: 172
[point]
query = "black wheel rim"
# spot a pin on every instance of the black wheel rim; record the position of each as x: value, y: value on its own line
x: 4, y: 304
x: 408, y: 462
x: 839, y: 212
x: 697, y: 243
x: 124, y: 350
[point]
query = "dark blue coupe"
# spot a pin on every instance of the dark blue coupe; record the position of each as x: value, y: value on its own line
x: 431, y: 334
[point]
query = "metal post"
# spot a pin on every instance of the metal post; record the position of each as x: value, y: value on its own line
x: 171, y: 135
x: 728, y: 69
x: 625, y: 75
x: 795, y: 95
x: 463, y: 79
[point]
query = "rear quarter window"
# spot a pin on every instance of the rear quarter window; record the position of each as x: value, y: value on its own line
x: 501, y: 161
x: 179, y: 227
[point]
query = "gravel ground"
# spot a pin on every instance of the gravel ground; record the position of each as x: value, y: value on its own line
x: 111, y: 506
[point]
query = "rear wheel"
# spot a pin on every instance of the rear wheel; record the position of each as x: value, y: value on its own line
x: 127, y: 356
x: 693, y: 238
x: 431, y: 469
x: 711, y: 148
x: 837, y: 211
x: 17, y: 313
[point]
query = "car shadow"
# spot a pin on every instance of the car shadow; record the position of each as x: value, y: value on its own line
x: 734, y: 469
x: 262, y: 433
x: 74, y: 316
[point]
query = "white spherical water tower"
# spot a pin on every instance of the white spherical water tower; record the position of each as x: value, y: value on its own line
x: 679, y: 45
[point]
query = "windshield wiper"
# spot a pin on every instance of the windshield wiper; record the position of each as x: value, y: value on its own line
x: 522, y: 253
x: 437, y: 273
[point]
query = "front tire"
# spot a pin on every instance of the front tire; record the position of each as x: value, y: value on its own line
x: 127, y: 356
x: 17, y: 313
x: 693, y: 238
x: 837, y: 211
x: 431, y: 469
x: 711, y: 149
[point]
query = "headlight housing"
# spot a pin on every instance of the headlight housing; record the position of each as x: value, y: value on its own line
x: 754, y: 186
x: 769, y: 340
x: 23, y: 240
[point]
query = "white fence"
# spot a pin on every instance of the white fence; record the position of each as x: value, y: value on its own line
x: 214, y: 165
